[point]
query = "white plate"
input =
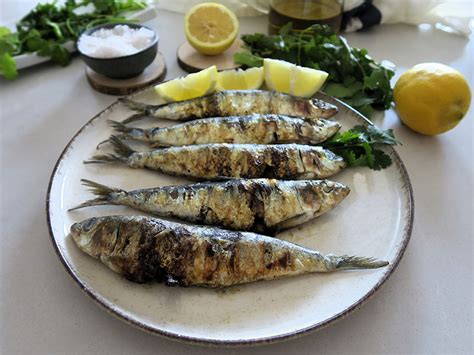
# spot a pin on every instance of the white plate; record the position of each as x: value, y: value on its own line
x: 374, y: 220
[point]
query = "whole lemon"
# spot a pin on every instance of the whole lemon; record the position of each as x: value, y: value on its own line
x: 210, y: 28
x: 431, y: 98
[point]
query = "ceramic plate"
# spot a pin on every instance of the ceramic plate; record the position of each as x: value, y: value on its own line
x: 374, y: 220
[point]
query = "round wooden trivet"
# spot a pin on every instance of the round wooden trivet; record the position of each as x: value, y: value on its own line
x: 192, y: 61
x: 154, y: 73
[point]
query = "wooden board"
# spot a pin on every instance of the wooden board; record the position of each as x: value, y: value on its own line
x: 192, y: 61
x: 154, y: 73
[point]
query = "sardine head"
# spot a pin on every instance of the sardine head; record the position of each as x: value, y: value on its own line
x: 331, y: 194
x: 328, y: 127
x: 321, y: 109
x: 323, y: 195
x: 94, y: 236
x: 320, y: 163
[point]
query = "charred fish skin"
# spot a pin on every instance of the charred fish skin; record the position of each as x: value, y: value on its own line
x: 234, y: 103
x: 259, y: 205
x: 144, y: 249
x: 217, y: 161
x: 256, y: 128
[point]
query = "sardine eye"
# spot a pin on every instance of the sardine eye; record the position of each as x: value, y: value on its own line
x: 87, y: 225
x: 328, y: 187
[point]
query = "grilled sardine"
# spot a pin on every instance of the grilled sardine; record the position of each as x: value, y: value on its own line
x: 215, y: 161
x: 234, y: 103
x: 259, y: 129
x: 146, y: 249
x: 260, y: 205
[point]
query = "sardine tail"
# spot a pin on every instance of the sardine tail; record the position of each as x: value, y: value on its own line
x: 127, y: 132
x: 88, y: 203
x: 103, y: 193
x: 346, y: 262
x: 135, y: 117
x: 143, y: 110
x: 119, y: 126
x: 133, y: 105
x: 122, y: 152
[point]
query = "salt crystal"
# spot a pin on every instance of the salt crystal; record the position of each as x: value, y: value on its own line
x: 118, y: 41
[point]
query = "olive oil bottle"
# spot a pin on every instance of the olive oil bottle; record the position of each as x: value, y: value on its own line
x: 304, y: 13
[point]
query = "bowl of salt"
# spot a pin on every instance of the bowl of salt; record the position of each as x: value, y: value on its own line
x: 118, y: 50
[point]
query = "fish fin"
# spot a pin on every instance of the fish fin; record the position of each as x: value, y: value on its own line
x: 119, y: 126
x: 291, y: 222
x: 122, y: 152
x: 92, y: 202
x: 128, y: 132
x: 346, y: 262
x: 102, y: 191
x: 133, y: 105
x: 103, y: 142
x: 135, y: 117
x: 159, y: 145
x: 142, y: 109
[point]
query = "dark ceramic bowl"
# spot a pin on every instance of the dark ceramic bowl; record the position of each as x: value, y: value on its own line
x: 121, y: 67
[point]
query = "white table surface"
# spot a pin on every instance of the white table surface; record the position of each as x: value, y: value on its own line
x: 425, y: 307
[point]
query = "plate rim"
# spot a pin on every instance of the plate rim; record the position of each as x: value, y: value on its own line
x: 233, y: 343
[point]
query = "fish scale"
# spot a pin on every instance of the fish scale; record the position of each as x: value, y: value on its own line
x: 256, y: 128
x: 233, y: 103
x: 217, y: 161
x: 262, y: 205
x: 144, y: 249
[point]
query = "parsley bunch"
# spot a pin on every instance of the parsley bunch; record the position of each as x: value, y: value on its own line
x: 357, y: 146
x: 48, y: 26
x: 354, y: 77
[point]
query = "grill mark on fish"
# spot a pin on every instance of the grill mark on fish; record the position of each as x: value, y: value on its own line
x: 255, y: 128
x: 228, y: 103
x: 180, y: 255
x: 214, y: 161
x: 254, y: 204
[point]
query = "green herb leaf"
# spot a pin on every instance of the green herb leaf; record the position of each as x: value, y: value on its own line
x: 381, y: 160
x: 341, y: 90
x: 354, y: 76
x: 357, y: 146
x: 8, y: 66
x: 9, y: 44
x: 8, y: 41
x: 248, y: 59
x: 380, y: 136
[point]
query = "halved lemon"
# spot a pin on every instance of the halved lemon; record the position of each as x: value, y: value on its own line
x: 292, y: 79
x: 210, y: 28
x: 239, y: 79
x: 188, y: 87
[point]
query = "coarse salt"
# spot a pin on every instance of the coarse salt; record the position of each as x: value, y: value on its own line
x: 118, y: 41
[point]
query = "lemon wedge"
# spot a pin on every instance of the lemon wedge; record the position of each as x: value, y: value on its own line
x: 238, y: 79
x: 210, y: 28
x: 292, y: 79
x: 188, y: 87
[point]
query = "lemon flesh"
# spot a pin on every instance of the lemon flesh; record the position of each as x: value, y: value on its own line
x: 292, y: 79
x: 210, y: 28
x: 431, y: 98
x: 238, y: 79
x: 190, y: 86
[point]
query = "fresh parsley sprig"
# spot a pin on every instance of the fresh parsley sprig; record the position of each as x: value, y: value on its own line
x: 358, y: 146
x: 354, y: 76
